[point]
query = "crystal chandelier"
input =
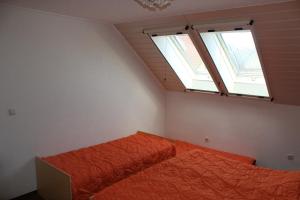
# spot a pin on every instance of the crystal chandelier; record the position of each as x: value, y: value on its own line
x: 154, y: 4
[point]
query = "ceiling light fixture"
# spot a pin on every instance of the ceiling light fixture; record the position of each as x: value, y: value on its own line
x: 154, y: 4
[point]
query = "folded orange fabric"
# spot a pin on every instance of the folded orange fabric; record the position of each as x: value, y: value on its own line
x: 182, y: 147
x: 198, y: 174
x: 96, y: 167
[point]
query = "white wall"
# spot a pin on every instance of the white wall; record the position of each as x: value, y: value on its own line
x: 73, y: 83
x: 256, y: 128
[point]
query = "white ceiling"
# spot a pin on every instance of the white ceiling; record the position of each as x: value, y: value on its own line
x: 118, y: 11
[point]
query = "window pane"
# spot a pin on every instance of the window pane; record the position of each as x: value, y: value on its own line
x: 183, y: 57
x: 235, y: 56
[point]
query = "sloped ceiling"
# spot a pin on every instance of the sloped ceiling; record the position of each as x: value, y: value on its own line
x: 117, y: 11
x: 277, y: 30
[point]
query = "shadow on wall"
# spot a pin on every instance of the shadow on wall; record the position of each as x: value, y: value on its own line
x: 267, y: 131
x: 26, y: 173
x: 129, y: 60
x: 129, y: 66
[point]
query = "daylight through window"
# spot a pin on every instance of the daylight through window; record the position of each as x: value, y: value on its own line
x: 231, y: 55
x: 185, y: 60
x: 235, y: 56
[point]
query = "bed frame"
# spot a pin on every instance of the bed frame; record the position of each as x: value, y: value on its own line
x: 52, y: 183
x: 55, y: 184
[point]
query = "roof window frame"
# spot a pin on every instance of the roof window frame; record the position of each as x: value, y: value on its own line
x: 179, y: 30
x: 193, y: 31
x: 234, y: 25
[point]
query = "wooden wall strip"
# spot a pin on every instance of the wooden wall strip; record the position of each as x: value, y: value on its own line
x: 277, y: 30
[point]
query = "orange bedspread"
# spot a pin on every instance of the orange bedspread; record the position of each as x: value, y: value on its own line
x: 182, y: 147
x: 93, y: 168
x: 199, y: 175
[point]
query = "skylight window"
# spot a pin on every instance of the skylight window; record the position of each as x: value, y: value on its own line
x: 185, y: 60
x: 236, y: 58
x: 231, y: 64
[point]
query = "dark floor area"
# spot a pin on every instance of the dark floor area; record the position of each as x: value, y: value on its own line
x: 29, y: 196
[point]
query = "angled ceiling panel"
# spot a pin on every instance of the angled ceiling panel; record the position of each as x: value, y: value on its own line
x: 277, y: 28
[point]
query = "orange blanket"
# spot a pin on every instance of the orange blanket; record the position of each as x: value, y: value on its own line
x: 199, y: 175
x: 93, y: 168
x: 182, y: 147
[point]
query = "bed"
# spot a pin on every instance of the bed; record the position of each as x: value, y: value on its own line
x: 199, y: 174
x: 182, y: 147
x: 79, y: 174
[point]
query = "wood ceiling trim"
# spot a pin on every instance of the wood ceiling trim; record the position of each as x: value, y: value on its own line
x: 277, y: 31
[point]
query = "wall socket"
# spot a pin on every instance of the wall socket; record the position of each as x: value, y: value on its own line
x: 206, y: 139
x: 291, y: 157
x: 12, y: 112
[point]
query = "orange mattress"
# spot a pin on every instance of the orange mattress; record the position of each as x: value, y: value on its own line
x: 199, y: 175
x: 96, y: 167
x: 182, y: 147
